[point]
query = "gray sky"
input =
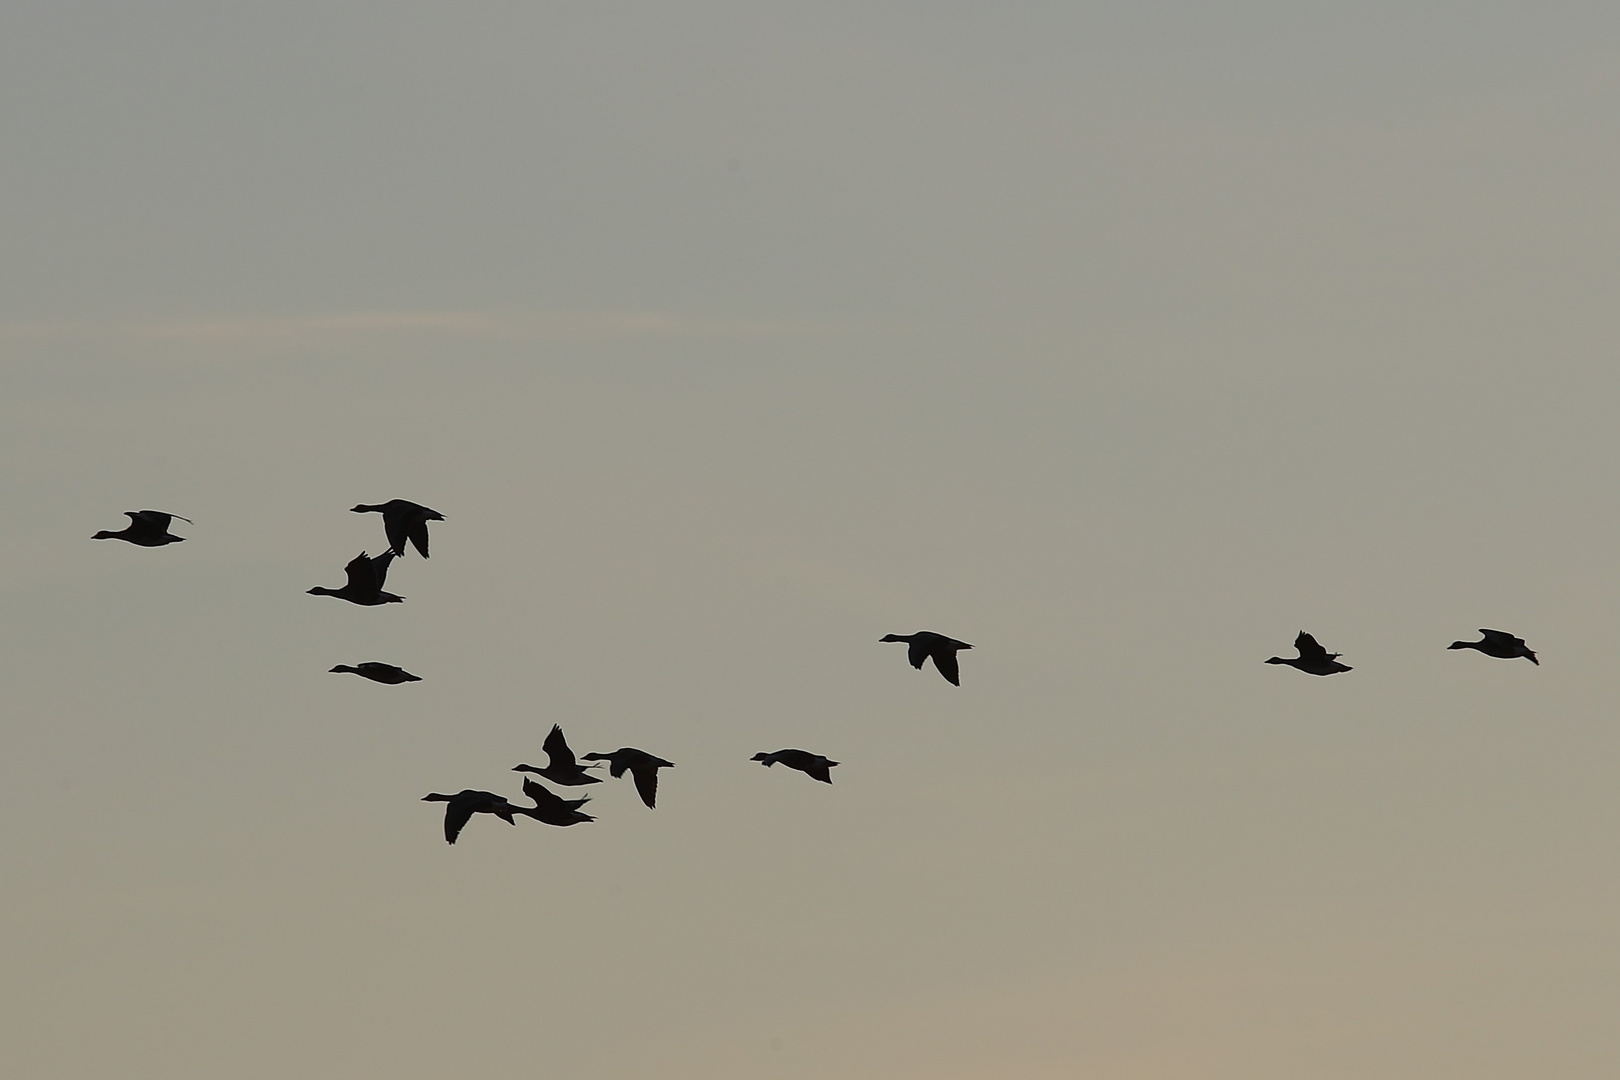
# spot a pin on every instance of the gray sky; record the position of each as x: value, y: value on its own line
x: 1122, y: 342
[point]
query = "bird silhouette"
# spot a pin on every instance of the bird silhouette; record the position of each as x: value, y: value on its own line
x: 813, y: 765
x: 464, y: 804
x: 552, y: 808
x: 367, y: 574
x: 925, y: 644
x: 1500, y: 644
x: 383, y: 673
x: 561, y: 768
x: 1312, y: 658
x: 643, y: 769
x: 146, y: 528
x: 403, y: 520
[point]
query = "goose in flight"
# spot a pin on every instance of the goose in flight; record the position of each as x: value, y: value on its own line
x: 1312, y: 658
x: 561, y: 768
x: 1500, y: 644
x: 403, y: 520
x: 643, y: 769
x: 925, y: 644
x: 365, y: 585
x: 552, y: 808
x: 383, y: 673
x: 813, y: 765
x: 464, y: 804
x: 146, y: 528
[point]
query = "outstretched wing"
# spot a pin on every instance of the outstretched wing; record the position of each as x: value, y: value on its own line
x: 1308, y: 648
x: 418, y: 535
x: 821, y: 770
x: 395, y: 526
x: 362, y: 575
x: 379, y: 566
x: 557, y: 747
x: 945, y: 661
x: 646, y: 777
x: 917, y: 652
x: 1502, y: 637
x: 544, y: 798
x: 456, y: 815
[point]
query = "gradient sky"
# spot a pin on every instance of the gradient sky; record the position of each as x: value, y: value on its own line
x: 1122, y: 341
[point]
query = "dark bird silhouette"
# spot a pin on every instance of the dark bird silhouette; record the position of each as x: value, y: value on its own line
x: 383, y: 673
x: 464, y: 804
x: 561, y: 768
x: 365, y: 585
x: 146, y: 528
x: 1312, y: 658
x: 552, y: 808
x: 810, y: 764
x: 925, y: 644
x: 402, y: 521
x: 1498, y: 643
x: 643, y: 769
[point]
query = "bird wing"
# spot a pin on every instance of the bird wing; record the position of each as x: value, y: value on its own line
x: 456, y: 815
x: 821, y: 770
x: 395, y: 526
x: 362, y: 576
x: 945, y: 661
x: 1502, y: 637
x: 417, y: 531
x: 544, y: 798
x: 557, y: 747
x: 1308, y: 648
x: 379, y: 566
x: 917, y: 652
x: 646, y: 777
x: 155, y: 520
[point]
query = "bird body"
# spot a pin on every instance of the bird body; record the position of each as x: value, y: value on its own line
x: 925, y: 644
x: 146, y: 528
x: 403, y: 521
x: 561, y: 768
x: 813, y: 765
x: 551, y: 808
x: 643, y: 769
x: 367, y: 574
x: 1500, y: 644
x: 1312, y: 658
x: 383, y: 673
x: 464, y: 804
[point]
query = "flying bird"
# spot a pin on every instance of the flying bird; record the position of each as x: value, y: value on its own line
x: 813, y: 765
x: 367, y: 574
x: 1312, y: 658
x: 925, y: 644
x: 146, y: 528
x: 643, y: 769
x: 561, y: 768
x: 552, y: 808
x: 383, y: 673
x: 464, y: 804
x: 403, y: 520
x: 1500, y: 644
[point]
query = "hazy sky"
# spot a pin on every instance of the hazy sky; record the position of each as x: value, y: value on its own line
x: 1122, y: 341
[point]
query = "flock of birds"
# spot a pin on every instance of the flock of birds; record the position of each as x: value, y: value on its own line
x: 406, y: 522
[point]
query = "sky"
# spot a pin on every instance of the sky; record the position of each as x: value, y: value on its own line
x: 1123, y: 341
